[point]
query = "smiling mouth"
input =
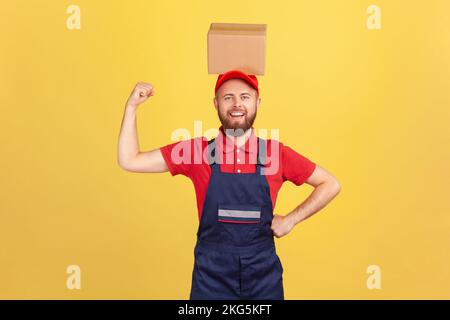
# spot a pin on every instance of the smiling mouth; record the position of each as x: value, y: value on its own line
x: 236, y: 114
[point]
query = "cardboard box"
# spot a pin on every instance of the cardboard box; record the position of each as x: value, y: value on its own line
x: 237, y: 46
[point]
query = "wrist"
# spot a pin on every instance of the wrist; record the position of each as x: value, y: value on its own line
x: 131, y: 107
x: 294, y: 217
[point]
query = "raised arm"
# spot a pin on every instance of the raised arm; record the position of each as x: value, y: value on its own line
x: 130, y: 158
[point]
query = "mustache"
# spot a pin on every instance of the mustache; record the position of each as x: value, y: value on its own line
x: 227, y: 123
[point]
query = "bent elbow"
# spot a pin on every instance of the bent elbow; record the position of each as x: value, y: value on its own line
x: 123, y: 165
x: 336, y: 186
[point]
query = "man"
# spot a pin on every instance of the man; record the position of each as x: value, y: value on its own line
x: 235, y: 256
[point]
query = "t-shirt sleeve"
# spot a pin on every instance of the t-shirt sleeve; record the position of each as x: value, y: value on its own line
x: 296, y: 167
x: 179, y: 156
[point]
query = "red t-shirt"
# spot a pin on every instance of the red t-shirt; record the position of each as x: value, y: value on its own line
x: 188, y: 158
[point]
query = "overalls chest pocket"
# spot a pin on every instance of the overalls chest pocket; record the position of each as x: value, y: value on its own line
x: 239, y: 223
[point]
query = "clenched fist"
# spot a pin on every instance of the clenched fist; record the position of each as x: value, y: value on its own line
x: 282, y: 225
x: 141, y: 92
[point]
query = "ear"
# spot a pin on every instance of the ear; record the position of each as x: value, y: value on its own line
x: 216, y: 103
x: 258, y: 102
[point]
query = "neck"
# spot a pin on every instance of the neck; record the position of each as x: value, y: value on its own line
x: 240, y: 140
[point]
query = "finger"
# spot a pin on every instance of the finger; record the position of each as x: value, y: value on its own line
x: 146, y: 86
x: 141, y: 83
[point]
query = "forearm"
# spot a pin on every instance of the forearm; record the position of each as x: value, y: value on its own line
x: 128, y: 146
x: 318, y: 199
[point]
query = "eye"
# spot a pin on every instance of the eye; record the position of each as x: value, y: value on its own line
x: 246, y: 97
x: 226, y: 98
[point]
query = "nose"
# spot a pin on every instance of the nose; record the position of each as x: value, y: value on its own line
x: 238, y: 103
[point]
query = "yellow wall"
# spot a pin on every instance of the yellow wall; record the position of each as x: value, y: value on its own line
x: 371, y: 106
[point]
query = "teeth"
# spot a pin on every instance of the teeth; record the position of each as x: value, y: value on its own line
x: 237, y: 114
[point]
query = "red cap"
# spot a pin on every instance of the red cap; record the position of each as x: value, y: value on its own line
x: 236, y: 74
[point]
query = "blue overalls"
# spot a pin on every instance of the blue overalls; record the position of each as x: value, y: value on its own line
x: 235, y: 256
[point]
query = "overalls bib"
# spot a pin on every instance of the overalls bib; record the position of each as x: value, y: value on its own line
x: 235, y: 256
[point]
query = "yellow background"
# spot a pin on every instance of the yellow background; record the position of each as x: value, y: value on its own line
x: 371, y: 106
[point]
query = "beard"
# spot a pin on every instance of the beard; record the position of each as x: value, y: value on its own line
x: 238, y: 126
